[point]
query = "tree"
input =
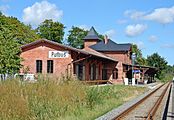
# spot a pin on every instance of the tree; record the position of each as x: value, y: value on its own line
x: 9, y: 52
x: 23, y: 34
x: 140, y: 60
x: 75, y: 37
x: 155, y: 60
x: 168, y: 73
x: 101, y: 36
x: 1, y: 13
x: 51, y: 30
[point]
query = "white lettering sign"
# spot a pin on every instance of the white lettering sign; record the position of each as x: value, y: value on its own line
x: 58, y: 54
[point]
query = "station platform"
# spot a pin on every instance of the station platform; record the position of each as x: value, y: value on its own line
x: 170, y: 113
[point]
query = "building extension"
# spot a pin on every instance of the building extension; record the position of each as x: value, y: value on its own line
x: 99, y: 60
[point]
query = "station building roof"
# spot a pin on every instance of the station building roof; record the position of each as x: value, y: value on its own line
x: 110, y: 46
x: 96, y: 54
x: 92, y: 35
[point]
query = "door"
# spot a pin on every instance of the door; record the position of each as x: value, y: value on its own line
x: 104, y: 74
x: 93, y: 72
x: 80, y: 69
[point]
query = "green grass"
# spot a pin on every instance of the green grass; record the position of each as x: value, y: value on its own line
x: 54, y: 100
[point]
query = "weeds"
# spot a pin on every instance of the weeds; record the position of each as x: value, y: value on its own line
x: 51, y: 99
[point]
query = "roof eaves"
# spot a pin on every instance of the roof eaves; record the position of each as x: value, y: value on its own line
x: 68, y: 47
x: 52, y: 42
x: 141, y: 66
x: 101, y: 55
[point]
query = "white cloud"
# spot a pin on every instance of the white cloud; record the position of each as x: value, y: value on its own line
x: 133, y: 14
x: 140, y: 45
x: 153, y: 38
x: 110, y: 33
x: 121, y: 21
x: 171, y: 46
x: 161, y: 15
x: 134, y: 30
x: 4, y: 8
x: 40, y: 11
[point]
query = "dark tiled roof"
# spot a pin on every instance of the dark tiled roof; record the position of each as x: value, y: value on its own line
x: 70, y: 48
x: 92, y: 35
x: 111, y: 46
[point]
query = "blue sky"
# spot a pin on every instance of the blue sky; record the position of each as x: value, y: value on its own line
x: 148, y: 23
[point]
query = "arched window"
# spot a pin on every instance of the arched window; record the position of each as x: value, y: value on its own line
x: 115, y: 74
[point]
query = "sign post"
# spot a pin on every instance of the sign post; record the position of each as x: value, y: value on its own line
x: 133, y: 63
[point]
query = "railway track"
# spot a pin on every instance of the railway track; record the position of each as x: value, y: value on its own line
x: 146, y: 108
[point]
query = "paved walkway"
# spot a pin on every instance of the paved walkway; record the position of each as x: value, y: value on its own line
x: 170, y: 114
x: 173, y: 100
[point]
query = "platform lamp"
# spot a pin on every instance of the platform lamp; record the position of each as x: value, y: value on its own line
x: 133, y: 63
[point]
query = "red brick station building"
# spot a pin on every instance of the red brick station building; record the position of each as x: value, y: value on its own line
x: 100, y: 60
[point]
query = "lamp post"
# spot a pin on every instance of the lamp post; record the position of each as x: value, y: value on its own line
x: 133, y: 62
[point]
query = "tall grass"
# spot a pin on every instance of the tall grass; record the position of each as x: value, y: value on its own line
x: 49, y: 99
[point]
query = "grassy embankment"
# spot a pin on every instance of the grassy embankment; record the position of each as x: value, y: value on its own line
x: 52, y: 100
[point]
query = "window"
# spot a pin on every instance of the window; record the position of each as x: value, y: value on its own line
x: 115, y: 74
x: 49, y: 66
x: 38, y: 66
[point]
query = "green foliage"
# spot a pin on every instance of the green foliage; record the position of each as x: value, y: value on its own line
x: 155, y: 60
x: 1, y: 13
x: 93, y: 96
x: 22, y: 33
x: 168, y: 73
x: 53, y: 100
x: 101, y: 36
x: 140, y: 60
x: 9, y: 52
x: 75, y: 37
x: 136, y: 50
x: 51, y: 30
x: 13, y: 34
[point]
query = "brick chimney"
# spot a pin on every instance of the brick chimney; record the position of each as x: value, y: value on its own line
x: 105, y: 39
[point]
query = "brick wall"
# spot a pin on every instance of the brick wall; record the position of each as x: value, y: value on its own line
x: 123, y: 57
x: 88, y: 43
x: 40, y: 52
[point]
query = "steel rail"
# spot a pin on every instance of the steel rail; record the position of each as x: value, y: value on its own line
x: 154, y: 109
x: 121, y: 115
